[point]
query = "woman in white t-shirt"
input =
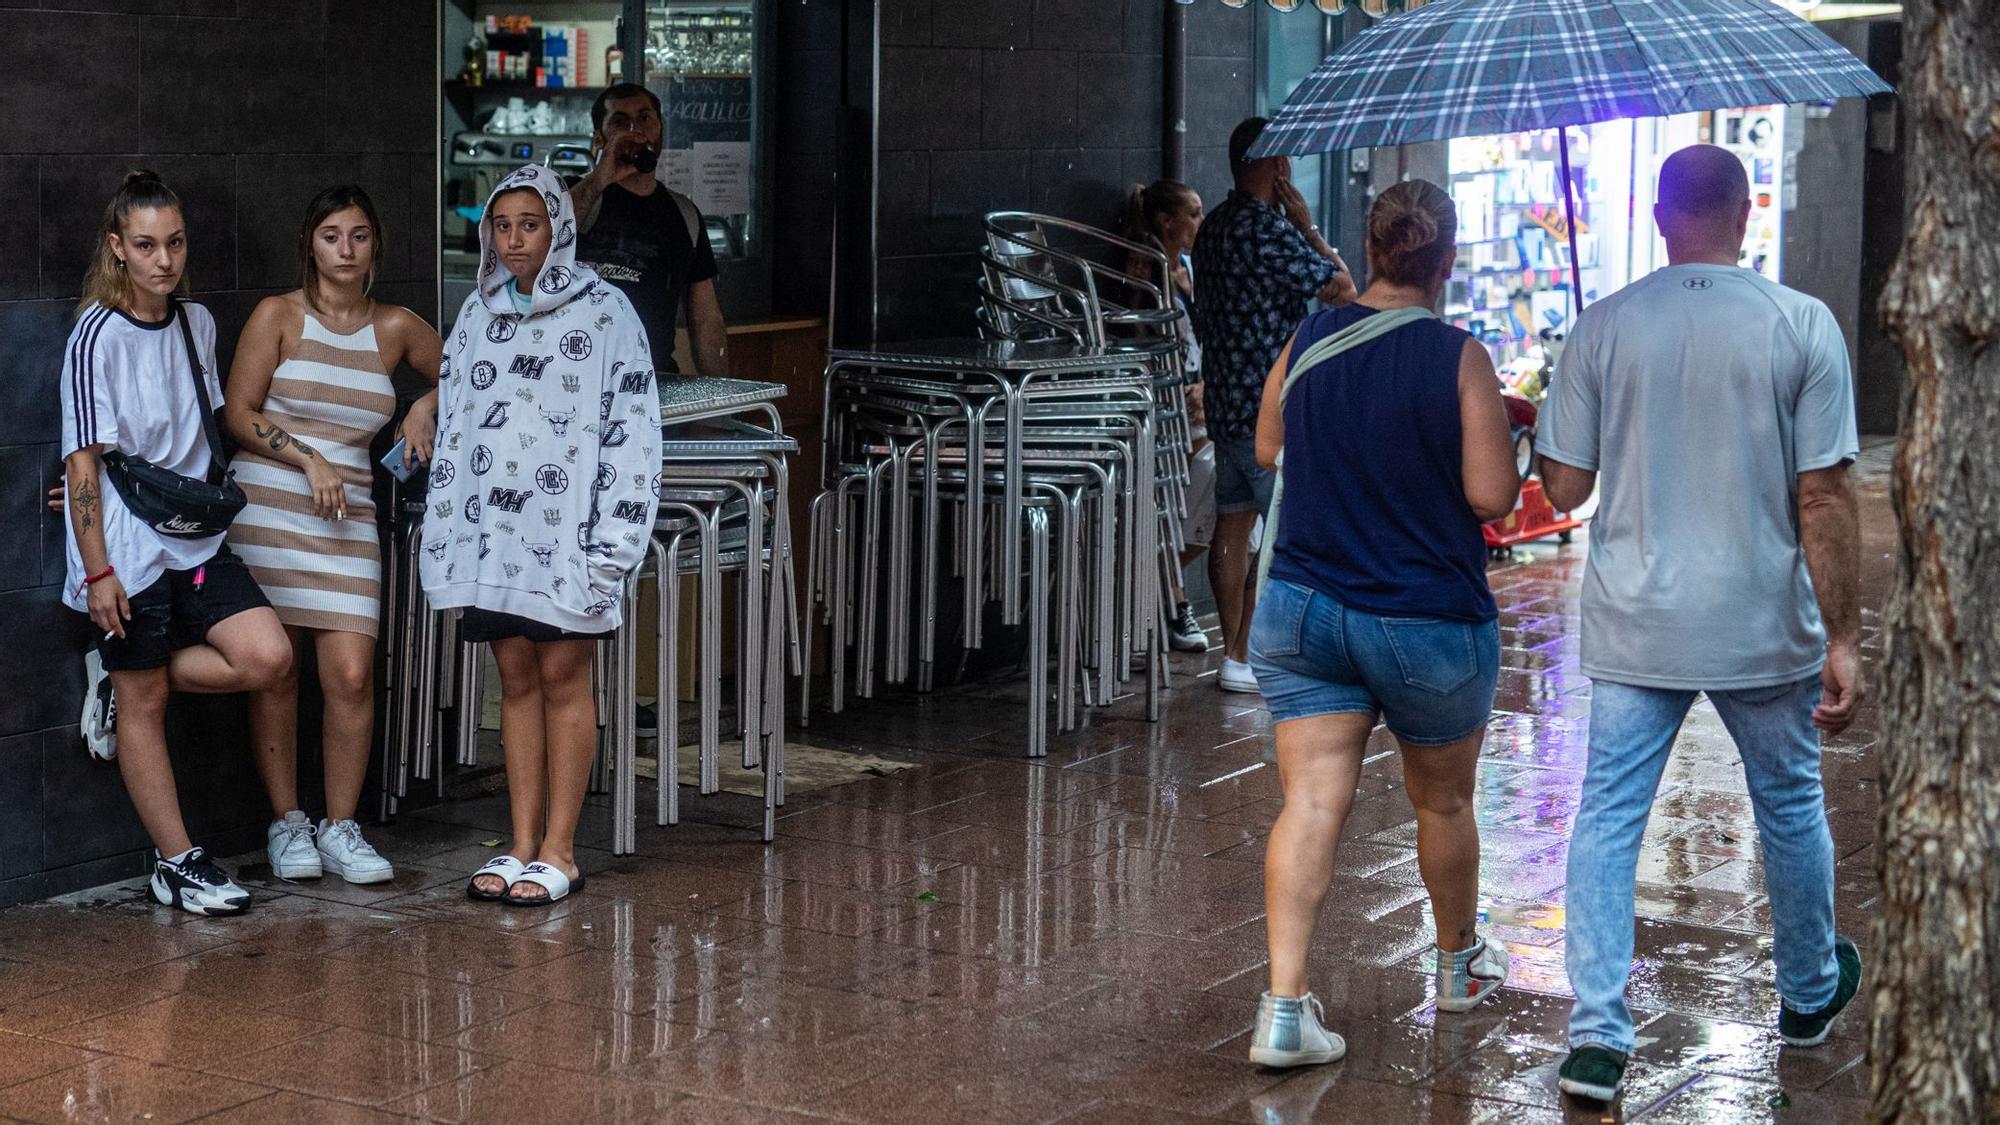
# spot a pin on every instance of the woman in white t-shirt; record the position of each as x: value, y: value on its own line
x: 175, y: 613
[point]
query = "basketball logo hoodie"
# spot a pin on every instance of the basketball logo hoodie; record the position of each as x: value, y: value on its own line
x: 541, y: 490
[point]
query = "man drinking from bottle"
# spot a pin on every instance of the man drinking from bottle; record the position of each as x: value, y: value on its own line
x: 644, y: 237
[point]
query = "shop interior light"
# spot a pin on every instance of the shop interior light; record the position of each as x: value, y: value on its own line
x: 1825, y: 11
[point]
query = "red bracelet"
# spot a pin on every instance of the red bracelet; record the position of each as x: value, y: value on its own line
x: 94, y: 579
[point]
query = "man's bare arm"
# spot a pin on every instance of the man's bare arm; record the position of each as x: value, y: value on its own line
x: 1566, y: 486
x: 1830, y: 528
x: 708, y: 333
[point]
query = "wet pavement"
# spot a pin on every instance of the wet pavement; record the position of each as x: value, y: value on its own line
x: 980, y: 939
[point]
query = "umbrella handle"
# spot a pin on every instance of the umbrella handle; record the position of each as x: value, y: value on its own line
x: 1569, y: 214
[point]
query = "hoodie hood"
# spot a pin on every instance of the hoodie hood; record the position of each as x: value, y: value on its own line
x: 562, y: 280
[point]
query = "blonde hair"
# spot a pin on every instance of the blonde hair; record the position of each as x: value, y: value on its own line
x: 1412, y: 233
x: 106, y: 282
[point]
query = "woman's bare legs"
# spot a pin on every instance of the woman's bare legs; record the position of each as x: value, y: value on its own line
x: 522, y: 737
x: 246, y: 652
x: 569, y: 708
x: 142, y: 757
x: 1319, y: 762
x: 347, y: 680
x: 1441, y: 780
x: 274, y: 735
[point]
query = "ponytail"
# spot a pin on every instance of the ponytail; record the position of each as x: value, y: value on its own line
x: 105, y: 282
x: 1148, y: 205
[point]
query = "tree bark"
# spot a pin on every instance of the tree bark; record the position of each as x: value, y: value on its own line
x: 1935, y: 1039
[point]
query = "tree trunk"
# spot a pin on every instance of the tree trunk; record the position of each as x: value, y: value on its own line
x: 1936, y: 962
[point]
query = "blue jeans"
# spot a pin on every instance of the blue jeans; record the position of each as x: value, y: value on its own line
x: 1429, y: 678
x: 1631, y: 731
x: 1241, y: 484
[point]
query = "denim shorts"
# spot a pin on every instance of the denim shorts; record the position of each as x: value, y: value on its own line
x: 1241, y: 484
x: 1430, y: 679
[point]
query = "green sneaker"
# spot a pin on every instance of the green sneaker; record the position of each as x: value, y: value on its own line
x: 1799, y: 1029
x: 1593, y: 1072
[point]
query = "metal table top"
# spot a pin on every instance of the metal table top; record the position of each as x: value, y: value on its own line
x: 701, y: 396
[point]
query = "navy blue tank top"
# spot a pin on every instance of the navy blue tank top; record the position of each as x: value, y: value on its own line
x: 1375, y: 514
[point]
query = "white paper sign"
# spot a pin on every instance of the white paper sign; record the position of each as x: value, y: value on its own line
x: 721, y: 177
x: 676, y: 170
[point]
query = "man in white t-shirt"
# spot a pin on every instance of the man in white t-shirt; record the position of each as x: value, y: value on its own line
x: 1718, y: 408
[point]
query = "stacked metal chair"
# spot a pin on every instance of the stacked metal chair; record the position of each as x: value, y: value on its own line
x: 1030, y: 458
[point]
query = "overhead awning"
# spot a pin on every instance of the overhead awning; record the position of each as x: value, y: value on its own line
x: 1818, y: 11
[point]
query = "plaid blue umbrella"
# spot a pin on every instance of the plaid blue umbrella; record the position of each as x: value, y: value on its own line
x: 1470, y: 68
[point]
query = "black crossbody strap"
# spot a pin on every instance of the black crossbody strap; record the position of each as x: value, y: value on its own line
x: 208, y: 427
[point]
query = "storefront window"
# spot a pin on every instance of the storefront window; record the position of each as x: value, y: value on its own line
x: 1511, y: 284
x: 519, y: 80
x: 700, y: 58
x: 1289, y: 46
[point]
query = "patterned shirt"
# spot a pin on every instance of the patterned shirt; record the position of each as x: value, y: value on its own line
x: 1254, y: 279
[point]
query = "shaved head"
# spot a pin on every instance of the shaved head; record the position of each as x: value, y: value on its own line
x: 1704, y: 205
x: 1702, y: 182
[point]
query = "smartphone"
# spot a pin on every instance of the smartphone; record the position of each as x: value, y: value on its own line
x: 393, y: 461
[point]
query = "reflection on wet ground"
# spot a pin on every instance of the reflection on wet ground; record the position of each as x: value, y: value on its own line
x: 981, y: 940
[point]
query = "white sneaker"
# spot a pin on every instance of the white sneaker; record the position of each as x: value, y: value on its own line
x: 343, y: 852
x: 289, y: 842
x: 100, y: 709
x: 1463, y: 980
x: 1237, y: 676
x: 195, y: 884
x: 1289, y: 1033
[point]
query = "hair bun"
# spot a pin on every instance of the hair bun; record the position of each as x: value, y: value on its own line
x: 141, y: 176
x: 1412, y: 233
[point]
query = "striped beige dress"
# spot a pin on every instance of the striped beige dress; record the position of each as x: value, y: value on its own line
x: 332, y: 393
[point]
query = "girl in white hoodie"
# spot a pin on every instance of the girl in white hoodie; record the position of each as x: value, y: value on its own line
x: 541, y: 504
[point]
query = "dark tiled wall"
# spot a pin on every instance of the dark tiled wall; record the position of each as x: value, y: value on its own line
x: 246, y: 107
x: 806, y: 89
x: 1038, y: 105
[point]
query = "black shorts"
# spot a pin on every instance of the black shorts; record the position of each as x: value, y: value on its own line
x: 174, y: 613
x: 484, y: 626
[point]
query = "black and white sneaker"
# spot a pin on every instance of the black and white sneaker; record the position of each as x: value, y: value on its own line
x: 1184, y: 633
x: 645, y: 722
x: 100, y: 709
x: 195, y: 884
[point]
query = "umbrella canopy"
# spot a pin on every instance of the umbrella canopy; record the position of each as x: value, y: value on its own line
x: 1468, y: 68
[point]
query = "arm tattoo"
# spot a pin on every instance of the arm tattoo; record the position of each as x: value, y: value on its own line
x: 278, y: 439
x: 84, y: 501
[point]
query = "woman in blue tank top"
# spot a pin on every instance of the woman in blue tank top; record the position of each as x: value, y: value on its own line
x: 1395, y: 450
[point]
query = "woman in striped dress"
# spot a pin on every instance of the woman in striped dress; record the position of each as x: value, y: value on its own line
x: 308, y: 393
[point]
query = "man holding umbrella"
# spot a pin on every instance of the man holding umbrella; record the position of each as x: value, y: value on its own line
x: 1724, y: 560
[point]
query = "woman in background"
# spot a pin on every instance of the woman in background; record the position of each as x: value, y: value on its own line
x: 1165, y: 214
x: 173, y: 612
x: 541, y: 505
x: 308, y: 392
x: 1396, y: 450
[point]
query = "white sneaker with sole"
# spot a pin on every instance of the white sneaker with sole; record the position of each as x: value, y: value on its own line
x: 1289, y: 1033
x: 1467, y: 977
x: 289, y: 843
x: 195, y: 884
x: 100, y: 709
x: 343, y: 852
x: 1237, y: 676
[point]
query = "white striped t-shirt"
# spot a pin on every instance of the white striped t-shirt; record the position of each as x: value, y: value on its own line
x: 125, y: 386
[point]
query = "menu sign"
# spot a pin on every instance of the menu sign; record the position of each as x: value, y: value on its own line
x: 707, y: 156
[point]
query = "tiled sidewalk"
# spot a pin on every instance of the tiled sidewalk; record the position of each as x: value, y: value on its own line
x: 979, y: 940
